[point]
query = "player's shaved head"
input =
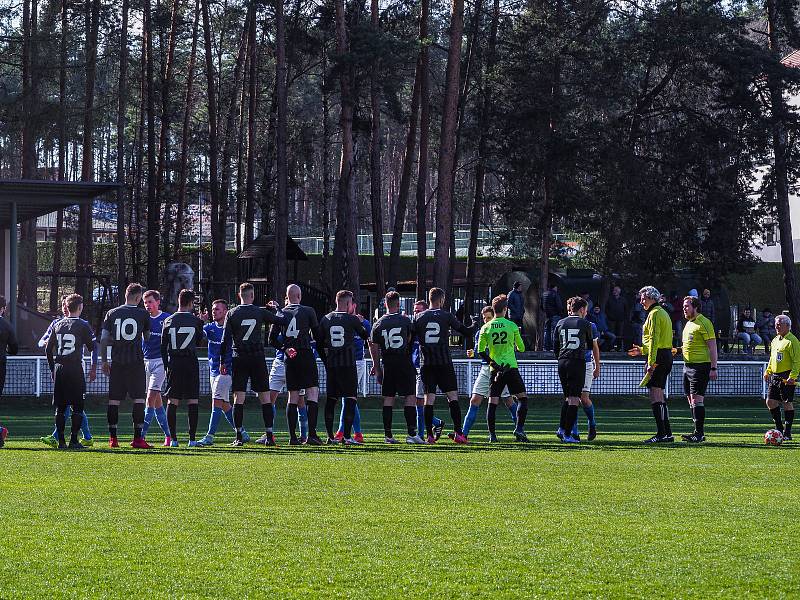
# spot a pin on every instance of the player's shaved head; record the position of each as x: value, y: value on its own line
x: 392, y: 300
x: 343, y: 299
x: 186, y: 298
x: 293, y: 293
x: 436, y: 296
x: 73, y: 302
x: 133, y: 293
x: 246, y: 292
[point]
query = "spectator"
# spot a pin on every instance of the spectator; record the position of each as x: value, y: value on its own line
x: 607, y: 338
x: 707, y: 305
x: 617, y: 310
x: 589, y: 302
x: 766, y: 328
x: 516, y: 304
x: 746, y: 331
x: 553, y: 307
x: 638, y: 316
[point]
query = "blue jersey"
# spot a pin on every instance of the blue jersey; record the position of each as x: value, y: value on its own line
x: 595, y: 335
x: 49, y: 332
x: 152, y: 345
x: 358, y: 343
x: 214, y: 335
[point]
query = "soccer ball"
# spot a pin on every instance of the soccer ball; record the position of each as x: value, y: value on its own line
x: 773, y: 437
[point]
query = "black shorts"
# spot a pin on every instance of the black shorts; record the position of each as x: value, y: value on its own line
x: 183, y: 379
x: 342, y: 382
x: 127, y: 381
x: 664, y: 367
x: 695, y: 378
x: 301, y: 371
x: 252, y: 368
x: 69, y: 387
x: 399, y: 377
x: 441, y: 376
x: 778, y: 390
x: 2, y: 375
x: 511, y: 379
x: 572, y: 374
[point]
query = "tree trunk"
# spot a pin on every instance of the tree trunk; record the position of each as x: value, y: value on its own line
x: 422, y: 164
x: 282, y: 195
x: 250, y: 191
x: 153, y: 208
x: 447, y: 149
x: 122, y: 102
x: 58, y: 246
x: 27, y: 287
x: 375, y: 166
x: 324, y: 275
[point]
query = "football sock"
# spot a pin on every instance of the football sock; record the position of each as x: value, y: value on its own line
x: 410, y: 413
x: 428, y: 408
x: 341, y: 418
x: 562, y: 422
x: 513, y: 411
x: 387, y: 421
x: 238, y: 419
x: 437, y: 421
x: 420, y: 411
x: 77, y: 420
x: 330, y: 404
x: 112, y: 414
x: 522, y: 413
x: 667, y: 426
x: 85, y: 431
x: 491, y: 417
x: 274, y: 410
x: 572, y: 415
x: 776, y: 416
x: 349, y: 414
x: 270, y: 423
x: 291, y: 419
x: 266, y: 415
x: 194, y: 415
x: 357, y: 420
x: 699, y: 418
x: 149, y: 413
x: 575, y: 432
x: 313, y: 412
x: 229, y: 417
x: 659, y: 417
x: 302, y: 417
x: 60, y: 422
x: 67, y: 414
x: 455, y: 414
x: 469, y: 419
x: 172, y: 419
x: 137, y: 415
x: 589, y: 410
x: 213, y: 422
x: 161, y: 418
x: 788, y: 416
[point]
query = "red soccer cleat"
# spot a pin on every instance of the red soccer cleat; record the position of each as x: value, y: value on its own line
x: 359, y: 437
x: 113, y: 442
x: 339, y: 436
x: 167, y: 442
x: 141, y: 444
x: 460, y: 438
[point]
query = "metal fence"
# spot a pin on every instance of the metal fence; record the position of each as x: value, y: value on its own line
x: 30, y: 376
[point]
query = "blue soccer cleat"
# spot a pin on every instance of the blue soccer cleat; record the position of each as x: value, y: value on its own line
x: 206, y: 440
x: 193, y: 444
x: 173, y: 443
x: 568, y: 439
x: 245, y: 436
x: 560, y: 434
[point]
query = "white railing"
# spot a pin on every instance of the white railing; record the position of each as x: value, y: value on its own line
x: 30, y: 376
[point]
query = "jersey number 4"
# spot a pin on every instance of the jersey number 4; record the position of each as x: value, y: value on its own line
x: 570, y: 339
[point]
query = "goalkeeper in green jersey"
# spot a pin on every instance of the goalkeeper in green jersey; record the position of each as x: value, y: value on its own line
x: 498, y: 343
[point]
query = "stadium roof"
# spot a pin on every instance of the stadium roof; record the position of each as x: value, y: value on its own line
x: 264, y: 245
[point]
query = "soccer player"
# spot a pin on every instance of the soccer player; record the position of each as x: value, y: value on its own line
x: 154, y: 366
x: 416, y: 357
x: 432, y: 328
x: 361, y: 368
x: 301, y: 366
x: 65, y: 357
x: 592, y: 372
x: 657, y: 347
x: 571, y: 339
x: 498, y: 343
x: 8, y: 345
x: 781, y: 374
x: 338, y: 330
x: 243, y: 331
x: 52, y: 440
x: 124, y: 328
x: 480, y: 389
x: 699, y: 348
x: 182, y: 333
x: 390, y: 349
x: 220, y: 384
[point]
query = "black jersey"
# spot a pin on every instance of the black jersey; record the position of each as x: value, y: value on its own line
x: 432, y: 328
x: 65, y: 345
x: 244, y: 327
x: 573, y: 337
x: 8, y: 340
x: 338, y: 331
x: 126, y: 326
x: 181, y: 332
x: 301, y: 325
x: 393, y: 333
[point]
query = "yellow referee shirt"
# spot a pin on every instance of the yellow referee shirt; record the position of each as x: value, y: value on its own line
x: 696, y: 334
x: 785, y: 355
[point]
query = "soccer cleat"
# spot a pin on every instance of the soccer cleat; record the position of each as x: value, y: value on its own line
x: 685, y: 436
x: 75, y: 446
x: 193, y: 444
x: 174, y: 444
x: 167, y: 442
x: 660, y: 439
x: 414, y: 439
x: 592, y: 433
x: 295, y: 442
x: 206, y: 440
x: 568, y: 439
x: 141, y: 444
x: 237, y: 443
x: 330, y: 441
x: 431, y: 439
x: 245, y: 436
x: 560, y: 434
x: 62, y: 445
x: 492, y: 438
x: 695, y: 438
x: 390, y: 440
x: 87, y: 442
x: 271, y: 440
x: 304, y: 439
x: 576, y: 436
x: 452, y: 435
x: 262, y: 440
x: 49, y: 440
x: 521, y: 437
x: 352, y: 442
x: 3, y: 436
x: 359, y: 437
x: 787, y: 436
x: 460, y: 438
x: 437, y: 430
x: 313, y: 440
x: 113, y: 442
x: 338, y: 437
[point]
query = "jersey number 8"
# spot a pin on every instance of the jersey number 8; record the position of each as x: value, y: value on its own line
x: 337, y: 336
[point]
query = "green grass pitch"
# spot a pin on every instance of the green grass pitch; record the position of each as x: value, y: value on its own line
x: 610, y: 518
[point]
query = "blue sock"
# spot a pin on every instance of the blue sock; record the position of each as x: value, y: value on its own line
x: 213, y: 422
x: 469, y: 419
x: 85, y: 431
x: 513, y: 410
x: 274, y: 410
x: 341, y: 419
x: 229, y: 417
x: 437, y: 421
x: 357, y: 421
x: 302, y: 414
x: 575, y: 432
x: 149, y: 413
x: 161, y: 417
x: 589, y: 410
x: 421, y: 421
x: 67, y: 414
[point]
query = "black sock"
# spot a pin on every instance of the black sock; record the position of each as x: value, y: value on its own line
x: 410, y: 413
x: 667, y: 426
x: 657, y: 413
x: 569, y: 422
x: 788, y: 416
x: 348, y: 416
x: 427, y: 413
x: 238, y: 419
x: 562, y: 423
x: 522, y: 413
x: 291, y: 420
x: 313, y: 412
x: 77, y: 417
x: 112, y: 413
x: 60, y: 424
x: 137, y: 415
x: 194, y: 414
x: 330, y: 407
x: 455, y: 415
x: 266, y: 414
x: 491, y: 417
x: 700, y: 419
x: 387, y: 421
x: 172, y: 420
x: 776, y: 416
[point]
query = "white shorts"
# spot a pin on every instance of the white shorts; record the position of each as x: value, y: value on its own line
x: 589, y: 378
x: 361, y: 369
x: 483, y: 382
x: 155, y: 374
x: 277, y: 376
x: 221, y: 387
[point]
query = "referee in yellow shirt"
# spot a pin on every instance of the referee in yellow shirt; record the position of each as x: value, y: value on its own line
x: 781, y: 374
x: 699, y: 347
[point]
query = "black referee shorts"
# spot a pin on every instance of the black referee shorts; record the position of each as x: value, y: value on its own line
x: 251, y: 368
x: 439, y: 376
x: 69, y: 387
x: 572, y: 374
x: 695, y: 378
x: 301, y: 371
x: 663, y: 368
x: 127, y: 381
x: 342, y: 382
x: 778, y: 390
x: 399, y: 377
x: 183, y: 379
